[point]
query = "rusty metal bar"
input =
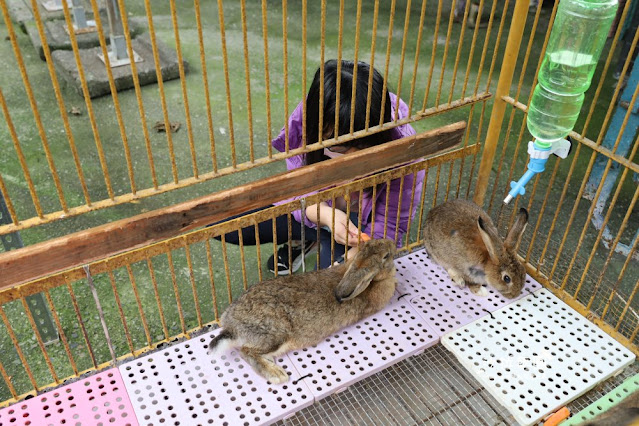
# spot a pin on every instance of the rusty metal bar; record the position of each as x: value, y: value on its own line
x: 446, y: 45
x: 160, y: 83
x: 401, y: 61
x: 136, y: 293
x: 34, y: 327
x: 226, y: 269
x: 340, y: 36
x: 416, y: 62
x: 85, y: 335
x: 355, y: 64
x: 388, y: 50
x: 267, y: 82
x: 459, y: 47
x: 32, y: 102
x: 304, y: 37
x: 16, y: 345
x: 176, y: 290
x: 118, y: 303
x: 285, y: 75
x: 371, y: 65
x: 227, y: 85
x: 249, y: 108
x: 433, y: 54
x: 138, y: 91
x: 503, y: 86
x: 22, y: 160
x: 60, y: 101
x: 205, y: 82
x: 185, y: 97
x: 196, y: 299
x: 209, y: 261
x: 63, y: 337
x: 156, y: 293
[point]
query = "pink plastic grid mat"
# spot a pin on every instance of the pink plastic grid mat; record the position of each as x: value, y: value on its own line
x: 98, y: 400
x: 360, y: 350
x: 441, y: 303
x: 183, y: 385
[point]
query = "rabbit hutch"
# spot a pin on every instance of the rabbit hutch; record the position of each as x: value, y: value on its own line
x: 136, y: 144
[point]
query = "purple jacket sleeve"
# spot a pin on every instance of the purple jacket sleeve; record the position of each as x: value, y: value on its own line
x: 392, y: 192
x: 296, y: 161
x: 395, y: 208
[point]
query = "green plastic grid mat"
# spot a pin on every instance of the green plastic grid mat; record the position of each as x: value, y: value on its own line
x: 606, y: 402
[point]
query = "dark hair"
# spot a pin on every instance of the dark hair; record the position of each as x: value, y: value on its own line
x: 378, y: 97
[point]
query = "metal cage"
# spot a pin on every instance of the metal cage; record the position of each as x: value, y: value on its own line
x: 257, y: 57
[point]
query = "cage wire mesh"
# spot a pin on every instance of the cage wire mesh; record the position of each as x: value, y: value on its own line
x: 430, y: 388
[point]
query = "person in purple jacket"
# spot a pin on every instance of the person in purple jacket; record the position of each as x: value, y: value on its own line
x: 343, y: 225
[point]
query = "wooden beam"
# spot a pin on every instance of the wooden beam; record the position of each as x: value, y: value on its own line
x: 80, y: 248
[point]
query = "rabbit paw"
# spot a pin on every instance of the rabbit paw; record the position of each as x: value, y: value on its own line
x: 478, y: 290
x: 457, y: 278
x: 277, y: 375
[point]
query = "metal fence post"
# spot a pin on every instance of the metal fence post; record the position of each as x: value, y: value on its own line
x: 79, y: 15
x: 36, y: 303
x: 118, y: 53
x: 515, y: 34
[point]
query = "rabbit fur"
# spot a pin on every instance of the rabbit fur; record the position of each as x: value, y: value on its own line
x: 624, y: 414
x: 296, y: 311
x: 461, y: 237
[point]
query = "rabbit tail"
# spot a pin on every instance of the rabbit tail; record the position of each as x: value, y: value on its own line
x: 221, y: 343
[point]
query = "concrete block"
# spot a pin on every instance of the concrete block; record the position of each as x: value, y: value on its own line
x: 20, y: 12
x: 58, y: 38
x: 95, y: 71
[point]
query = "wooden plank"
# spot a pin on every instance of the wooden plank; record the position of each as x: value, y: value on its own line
x: 19, y: 266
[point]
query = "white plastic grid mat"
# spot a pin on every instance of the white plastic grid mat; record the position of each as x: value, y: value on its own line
x: 444, y: 305
x: 360, y: 350
x: 536, y: 355
x: 183, y: 385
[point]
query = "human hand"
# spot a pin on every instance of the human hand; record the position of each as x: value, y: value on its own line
x: 344, y: 229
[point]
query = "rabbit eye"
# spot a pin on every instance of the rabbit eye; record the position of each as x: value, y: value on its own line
x: 386, y: 256
x: 507, y: 279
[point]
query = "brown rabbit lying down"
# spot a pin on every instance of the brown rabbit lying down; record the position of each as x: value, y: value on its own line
x: 297, y: 311
x: 624, y: 414
x: 462, y: 238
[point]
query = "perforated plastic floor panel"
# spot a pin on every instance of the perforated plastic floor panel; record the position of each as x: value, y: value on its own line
x: 377, y: 342
x: 536, y: 355
x: 442, y: 304
x: 183, y: 385
x: 98, y: 400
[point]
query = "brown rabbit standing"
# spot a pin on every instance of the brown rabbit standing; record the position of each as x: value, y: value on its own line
x: 297, y: 311
x: 462, y: 238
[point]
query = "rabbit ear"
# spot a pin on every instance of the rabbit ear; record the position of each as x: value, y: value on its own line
x: 489, y: 241
x: 355, y: 280
x: 517, y: 230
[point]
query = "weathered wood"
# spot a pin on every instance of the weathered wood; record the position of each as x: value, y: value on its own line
x: 82, y: 247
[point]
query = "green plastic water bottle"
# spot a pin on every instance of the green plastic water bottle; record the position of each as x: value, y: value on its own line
x: 576, y: 41
x: 577, y: 38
